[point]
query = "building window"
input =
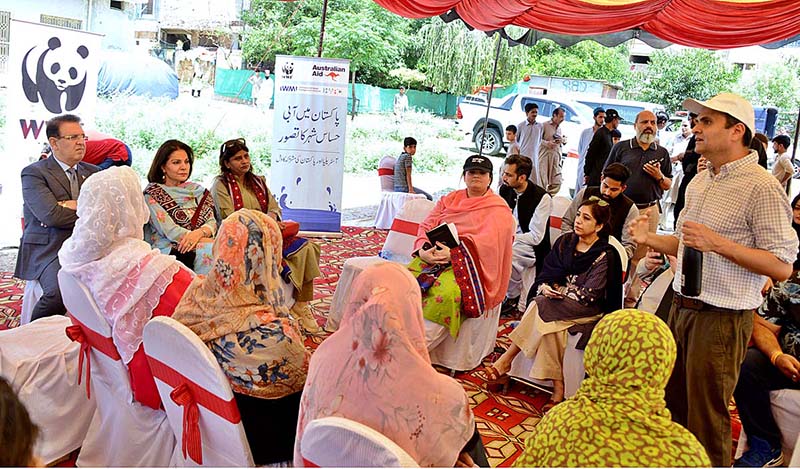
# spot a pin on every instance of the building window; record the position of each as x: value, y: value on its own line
x: 60, y: 21
x: 116, y: 5
x: 147, y: 8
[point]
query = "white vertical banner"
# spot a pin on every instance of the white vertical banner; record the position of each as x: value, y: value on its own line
x: 308, y: 139
x: 51, y: 71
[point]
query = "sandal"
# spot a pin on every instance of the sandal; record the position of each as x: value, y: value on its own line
x: 549, y: 405
x: 495, y: 382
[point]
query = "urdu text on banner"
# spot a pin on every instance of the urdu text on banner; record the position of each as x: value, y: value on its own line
x: 308, y: 139
x: 51, y: 71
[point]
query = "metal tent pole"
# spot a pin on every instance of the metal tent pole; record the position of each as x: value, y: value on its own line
x: 491, y: 91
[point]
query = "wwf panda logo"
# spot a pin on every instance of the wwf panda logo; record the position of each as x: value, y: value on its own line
x: 287, y: 69
x: 59, y: 78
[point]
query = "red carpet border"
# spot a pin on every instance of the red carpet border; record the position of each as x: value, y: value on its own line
x: 504, y: 421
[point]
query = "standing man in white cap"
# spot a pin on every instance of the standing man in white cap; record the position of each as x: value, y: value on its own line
x: 739, y: 218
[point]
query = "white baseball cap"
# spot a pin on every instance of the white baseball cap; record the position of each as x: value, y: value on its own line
x: 726, y: 103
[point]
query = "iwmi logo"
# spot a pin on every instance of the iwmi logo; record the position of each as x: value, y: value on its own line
x: 288, y: 88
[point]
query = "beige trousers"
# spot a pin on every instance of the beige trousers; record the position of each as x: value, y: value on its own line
x: 545, y: 342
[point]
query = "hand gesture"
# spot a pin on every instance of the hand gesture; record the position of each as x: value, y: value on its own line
x: 639, y: 229
x: 550, y: 292
x: 654, y: 170
x: 439, y: 254
x: 700, y: 237
x: 190, y: 240
x: 702, y: 164
x: 789, y: 366
x: 653, y: 260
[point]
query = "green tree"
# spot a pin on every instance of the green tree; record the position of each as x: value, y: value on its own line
x: 585, y: 60
x: 777, y: 84
x: 457, y: 60
x: 372, y: 38
x: 672, y: 77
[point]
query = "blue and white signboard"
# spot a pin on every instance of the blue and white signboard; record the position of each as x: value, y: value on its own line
x: 308, y: 140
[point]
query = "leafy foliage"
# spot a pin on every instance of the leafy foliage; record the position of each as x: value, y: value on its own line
x: 373, y: 38
x: 584, y: 60
x: 672, y: 77
x: 776, y: 85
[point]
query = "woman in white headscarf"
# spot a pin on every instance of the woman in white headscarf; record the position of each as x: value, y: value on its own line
x: 129, y: 280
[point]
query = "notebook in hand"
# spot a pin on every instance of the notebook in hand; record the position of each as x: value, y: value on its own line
x: 446, y: 233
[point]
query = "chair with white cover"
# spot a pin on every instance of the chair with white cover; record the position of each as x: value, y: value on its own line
x: 390, y: 205
x: 341, y: 442
x: 572, y: 366
x: 123, y: 432
x: 41, y: 365
x: 197, y: 397
x: 558, y: 209
x: 476, y: 339
x: 785, y: 405
x: 398, y: 247
x: 31, y: 294
x: 386, y: 173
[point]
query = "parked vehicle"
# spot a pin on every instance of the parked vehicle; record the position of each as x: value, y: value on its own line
x: 471, y: 115
x: 627, y: 111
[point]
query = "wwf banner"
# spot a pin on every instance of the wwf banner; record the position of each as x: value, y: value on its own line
x: 51, y: 71
x: 308, y: 140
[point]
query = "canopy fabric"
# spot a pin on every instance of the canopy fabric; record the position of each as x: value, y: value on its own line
x: 709, y: 24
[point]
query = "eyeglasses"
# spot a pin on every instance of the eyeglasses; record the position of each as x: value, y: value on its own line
x: 599, y: 201
x: 72, y: 138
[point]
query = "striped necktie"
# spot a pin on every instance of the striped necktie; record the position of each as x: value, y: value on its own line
x: 74, y: 188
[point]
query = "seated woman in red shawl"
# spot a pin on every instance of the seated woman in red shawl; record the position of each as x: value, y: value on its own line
x: 470, y: 279
x: 579, y: 282
x: 237, y: 187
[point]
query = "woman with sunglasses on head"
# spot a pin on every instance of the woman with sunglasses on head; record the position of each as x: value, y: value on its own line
x: 237, y: 187
x: 182, y: 219
x: 579, y: 282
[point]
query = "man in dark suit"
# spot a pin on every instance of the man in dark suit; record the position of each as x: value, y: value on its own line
x: 50, y: 190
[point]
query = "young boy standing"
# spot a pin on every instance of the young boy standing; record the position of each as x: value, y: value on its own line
x: 511, y: 136
x: 402, y: 169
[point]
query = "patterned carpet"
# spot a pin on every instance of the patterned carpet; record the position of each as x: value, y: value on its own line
x: 504, y: 421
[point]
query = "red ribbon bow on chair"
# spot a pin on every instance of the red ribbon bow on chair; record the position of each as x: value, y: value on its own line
x: 192, y: 443
x: 75, y: 334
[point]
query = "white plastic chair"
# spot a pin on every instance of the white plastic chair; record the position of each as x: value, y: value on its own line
x: 123, y: 432
x: 785, y: 405
x: 572, y: 366
x: 386, y: 173
x: 41, y: 365
x: 560, y: 206
x: 398, y: 247
x: 340, y: 442
x: 186, y: 372
x: 476, y: 339
x: 391, y: 203
x: 31, y: 294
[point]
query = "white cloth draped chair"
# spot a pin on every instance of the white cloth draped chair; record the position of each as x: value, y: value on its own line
x: 340, y: 442
x: 476, y: 339
x: 386, y: 173
x: 122, y: 432
x: 191, y: 382
x: 390, y: 205
x: 41, y: 365
x: 31, y: 294
x: 398, y: 248
x: 572, y: 365
x: 785, y: 405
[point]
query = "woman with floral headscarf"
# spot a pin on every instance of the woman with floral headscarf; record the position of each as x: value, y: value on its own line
x: 618, y: 418
x: 239, y: 311
x: 375, y: 369
x: 128, y: 279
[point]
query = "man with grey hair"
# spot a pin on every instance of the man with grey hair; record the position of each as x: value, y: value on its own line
x: 738, y: 216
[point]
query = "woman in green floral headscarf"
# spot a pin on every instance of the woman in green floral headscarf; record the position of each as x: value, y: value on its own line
x: 618, y: 416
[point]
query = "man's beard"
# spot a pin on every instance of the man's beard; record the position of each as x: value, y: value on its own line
x: 646, y: 138
x: 605, y: 197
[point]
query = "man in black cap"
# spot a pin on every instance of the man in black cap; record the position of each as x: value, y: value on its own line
x: 599, y: 149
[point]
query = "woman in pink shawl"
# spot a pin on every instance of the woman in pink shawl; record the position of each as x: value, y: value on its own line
x: 375, y: 369
x: 469, y: 280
